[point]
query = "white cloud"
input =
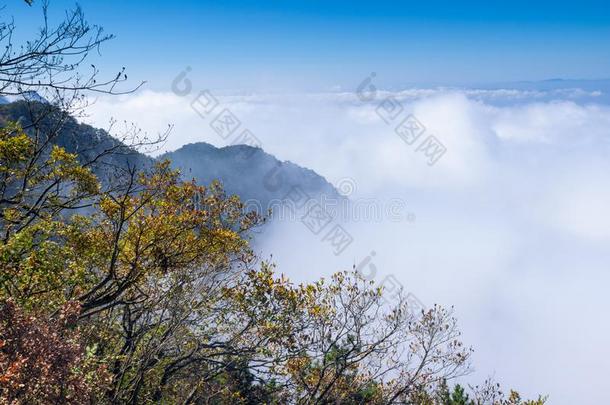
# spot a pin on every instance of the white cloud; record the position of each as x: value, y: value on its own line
x: 512, y: 222
x: 580, y: 202
x: 552, y: 122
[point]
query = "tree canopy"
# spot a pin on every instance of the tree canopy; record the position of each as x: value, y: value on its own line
x: 145, y: 289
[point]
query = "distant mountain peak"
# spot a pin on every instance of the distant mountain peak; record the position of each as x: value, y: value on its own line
x: 248, y: 171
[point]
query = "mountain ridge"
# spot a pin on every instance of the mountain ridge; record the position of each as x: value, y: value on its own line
x: 246, y: 171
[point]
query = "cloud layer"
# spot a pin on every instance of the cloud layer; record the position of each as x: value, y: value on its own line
x: 511, y: 223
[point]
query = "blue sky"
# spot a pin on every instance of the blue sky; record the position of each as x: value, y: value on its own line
x: 322, y: 44
x: 511, y: 226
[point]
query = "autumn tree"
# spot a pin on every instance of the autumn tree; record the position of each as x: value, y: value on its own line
x: 345, y: 344
x: 42, y: 360
x: 141, y: 287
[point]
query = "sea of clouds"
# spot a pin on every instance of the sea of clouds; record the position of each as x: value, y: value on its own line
x: 510, y: 225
